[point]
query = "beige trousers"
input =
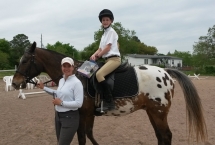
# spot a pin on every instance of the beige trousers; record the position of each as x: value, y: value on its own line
x: 110, y: 65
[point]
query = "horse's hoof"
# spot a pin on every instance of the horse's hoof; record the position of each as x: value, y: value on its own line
x: 102, y: 110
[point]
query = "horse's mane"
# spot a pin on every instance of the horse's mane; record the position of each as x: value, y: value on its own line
x: 57, y: 54
x: 53, y: 52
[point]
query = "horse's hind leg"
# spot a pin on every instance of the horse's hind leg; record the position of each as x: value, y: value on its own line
x: 160, y: 125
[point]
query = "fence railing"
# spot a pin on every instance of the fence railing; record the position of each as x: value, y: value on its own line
x: 7, y: 70
x: 10, y: 69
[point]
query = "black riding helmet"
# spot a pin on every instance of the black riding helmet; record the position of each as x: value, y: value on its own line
x: 106, y: 13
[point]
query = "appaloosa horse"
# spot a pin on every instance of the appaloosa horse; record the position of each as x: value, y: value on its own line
x: 154, y: 89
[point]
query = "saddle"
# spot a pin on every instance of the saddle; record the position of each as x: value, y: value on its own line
x: 109, y: 79
x: 117, y: 82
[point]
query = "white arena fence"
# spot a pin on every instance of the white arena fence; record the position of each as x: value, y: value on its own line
x: 9, y: 69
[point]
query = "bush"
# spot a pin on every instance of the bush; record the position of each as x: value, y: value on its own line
x: 199, y: 71
x: 209, y: 69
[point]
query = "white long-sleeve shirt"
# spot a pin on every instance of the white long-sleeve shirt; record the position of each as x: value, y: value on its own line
x: 70, y: 91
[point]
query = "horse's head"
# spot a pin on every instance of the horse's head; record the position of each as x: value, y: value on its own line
x: 28, y: 68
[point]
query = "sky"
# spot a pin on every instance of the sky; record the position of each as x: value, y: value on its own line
x: 168, y: 25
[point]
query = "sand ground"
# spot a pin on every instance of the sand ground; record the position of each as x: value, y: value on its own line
x: 31, y: 121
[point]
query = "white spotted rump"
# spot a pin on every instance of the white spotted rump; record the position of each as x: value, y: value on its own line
x: 148, y: 83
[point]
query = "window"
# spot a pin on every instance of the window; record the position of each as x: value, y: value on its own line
x: 145, y: 61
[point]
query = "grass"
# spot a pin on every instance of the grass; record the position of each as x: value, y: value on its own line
x: 6, y: 73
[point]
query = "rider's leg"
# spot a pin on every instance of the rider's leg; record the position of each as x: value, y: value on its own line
x: 108, y: 97
x: 110, y: 65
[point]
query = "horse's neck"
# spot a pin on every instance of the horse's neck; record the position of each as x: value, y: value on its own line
x: 51, y: 64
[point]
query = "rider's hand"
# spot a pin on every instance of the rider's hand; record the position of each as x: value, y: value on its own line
x: 93, y: 57
x: 98, y: 56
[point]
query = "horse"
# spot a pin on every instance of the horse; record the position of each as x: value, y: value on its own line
x: 155, y: 91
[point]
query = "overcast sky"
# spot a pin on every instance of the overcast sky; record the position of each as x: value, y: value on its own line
x: 168, y: 25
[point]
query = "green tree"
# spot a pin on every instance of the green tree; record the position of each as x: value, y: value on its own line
x: 4, y: 54
x: 135, y: 38
x: 144, y: 49
x: 204, y: 49
x: 186, y: 57
x: 65, y: 49
x: 4, y: 62
x: 129, y: 42
x: 89, y: 50
x: 18, y: 46
x: 4, y: 46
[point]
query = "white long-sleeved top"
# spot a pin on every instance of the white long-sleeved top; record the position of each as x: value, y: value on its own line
x: 70, y: 91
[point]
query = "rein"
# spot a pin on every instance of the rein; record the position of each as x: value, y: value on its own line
x: 52, y: 80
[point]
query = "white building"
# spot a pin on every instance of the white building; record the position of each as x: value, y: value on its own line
x: 168, y: 61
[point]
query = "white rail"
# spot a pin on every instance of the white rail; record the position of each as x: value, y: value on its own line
x: 9, y: 69
x: 22, y: 95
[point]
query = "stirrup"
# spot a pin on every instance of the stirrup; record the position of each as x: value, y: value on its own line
x: 102, y: 109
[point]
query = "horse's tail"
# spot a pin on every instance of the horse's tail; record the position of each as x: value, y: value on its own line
x: 193, y: 105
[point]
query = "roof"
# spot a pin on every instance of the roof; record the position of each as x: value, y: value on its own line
x: 152, y: 56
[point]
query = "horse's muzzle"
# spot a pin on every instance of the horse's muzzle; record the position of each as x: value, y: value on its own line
x: 19, y: 86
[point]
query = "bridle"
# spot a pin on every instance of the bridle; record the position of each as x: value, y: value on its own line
x: 26, y: 74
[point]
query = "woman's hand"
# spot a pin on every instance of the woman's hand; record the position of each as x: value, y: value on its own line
x: 40, y: 85
x: 56, y: 101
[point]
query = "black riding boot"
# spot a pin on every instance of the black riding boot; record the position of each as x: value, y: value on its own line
x: 108, y: 103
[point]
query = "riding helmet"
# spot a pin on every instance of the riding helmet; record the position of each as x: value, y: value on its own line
x: 106, y: 13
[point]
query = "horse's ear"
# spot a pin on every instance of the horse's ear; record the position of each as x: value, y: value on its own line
x: 33, y: 46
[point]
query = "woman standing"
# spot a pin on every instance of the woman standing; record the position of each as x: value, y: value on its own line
x: 67, y: 99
